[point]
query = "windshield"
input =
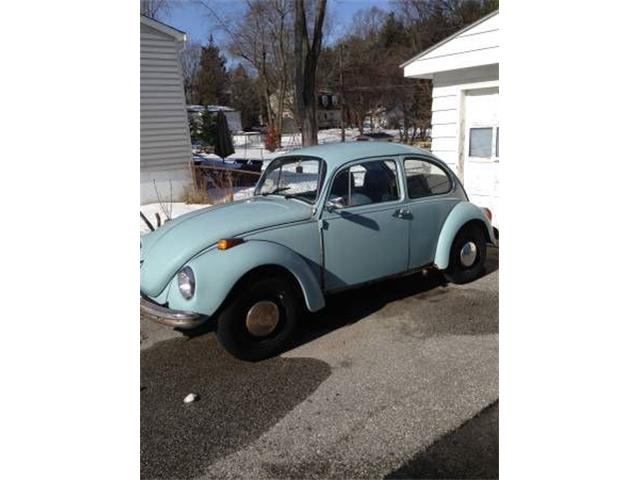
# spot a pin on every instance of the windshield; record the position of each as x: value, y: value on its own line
x: 292, y: 177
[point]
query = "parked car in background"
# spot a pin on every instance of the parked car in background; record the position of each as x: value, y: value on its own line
x: 375, y: 137
x: 323, y: 219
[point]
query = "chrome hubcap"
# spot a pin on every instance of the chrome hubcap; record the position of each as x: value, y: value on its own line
x: 262, y: 318
x: 468, y: 254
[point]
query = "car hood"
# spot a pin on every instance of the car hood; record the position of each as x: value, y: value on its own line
x: 164, y: 251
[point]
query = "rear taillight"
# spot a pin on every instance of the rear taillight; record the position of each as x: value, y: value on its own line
x: 488, y: 214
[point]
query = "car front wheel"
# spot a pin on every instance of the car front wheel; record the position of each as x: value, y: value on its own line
x: 260, y: 320
x: 467, y: 257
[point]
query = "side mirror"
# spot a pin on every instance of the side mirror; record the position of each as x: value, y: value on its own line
x: 333, y: 205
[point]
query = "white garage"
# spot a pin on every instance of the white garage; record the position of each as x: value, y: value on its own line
x: 465, y: 122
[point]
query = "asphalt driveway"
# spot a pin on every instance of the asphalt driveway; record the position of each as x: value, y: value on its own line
x: 395, y: 380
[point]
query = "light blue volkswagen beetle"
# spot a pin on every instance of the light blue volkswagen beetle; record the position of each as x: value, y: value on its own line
x: 322, y: 219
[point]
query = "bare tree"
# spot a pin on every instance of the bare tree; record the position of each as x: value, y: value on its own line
x: 306, y: 54
x: 190, y: 62
x: 262, y: 36
x: 430, y: 21
x: 153, y: 8
x: 367, y: 67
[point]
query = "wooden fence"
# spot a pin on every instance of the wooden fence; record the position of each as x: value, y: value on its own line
x: 210, y: 176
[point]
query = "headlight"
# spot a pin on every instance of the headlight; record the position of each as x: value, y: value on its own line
x: 186, y: 282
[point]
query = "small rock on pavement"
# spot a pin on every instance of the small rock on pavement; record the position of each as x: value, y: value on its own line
x: 192, y: 397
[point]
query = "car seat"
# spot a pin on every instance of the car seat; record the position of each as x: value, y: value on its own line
x: 379, y: 185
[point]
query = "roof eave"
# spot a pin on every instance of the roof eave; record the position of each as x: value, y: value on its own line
x: 450, y: 37
x: 179, y: 35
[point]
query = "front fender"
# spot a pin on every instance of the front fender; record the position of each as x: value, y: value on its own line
x: 462, y: 213
x: 217, y: 271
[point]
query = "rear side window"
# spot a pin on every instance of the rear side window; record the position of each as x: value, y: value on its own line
x: 425, y: 178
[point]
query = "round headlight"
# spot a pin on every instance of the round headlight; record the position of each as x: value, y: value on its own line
x: 186, y: 282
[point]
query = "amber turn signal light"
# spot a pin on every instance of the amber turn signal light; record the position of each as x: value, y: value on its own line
x: 227, y: 243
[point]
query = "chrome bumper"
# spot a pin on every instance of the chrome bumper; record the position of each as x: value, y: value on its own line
x: 169, y: 317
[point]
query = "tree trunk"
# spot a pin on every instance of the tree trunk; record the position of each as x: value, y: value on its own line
x: 309, y: 126
x: 306, y: 60
x: 280, y: 114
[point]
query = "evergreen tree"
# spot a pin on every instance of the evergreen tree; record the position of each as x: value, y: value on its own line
x: 208, y: 127
x: 244, y: 97
x: 212, y: 80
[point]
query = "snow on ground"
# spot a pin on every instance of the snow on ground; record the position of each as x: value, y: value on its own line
x: 165, y: 209
x: 175, y: 209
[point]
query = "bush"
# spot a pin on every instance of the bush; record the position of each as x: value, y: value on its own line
x: 272, y: 142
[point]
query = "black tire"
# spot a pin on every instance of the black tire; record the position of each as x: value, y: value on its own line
x: 459, y: 273
x: 232, y: 330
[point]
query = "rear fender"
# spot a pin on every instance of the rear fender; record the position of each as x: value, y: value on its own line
x: 461, y: 214
x: 218, y: 271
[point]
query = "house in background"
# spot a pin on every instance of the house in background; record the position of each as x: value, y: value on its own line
x: 465, y: 127
x: 165, y: 143
x: 328, y: 114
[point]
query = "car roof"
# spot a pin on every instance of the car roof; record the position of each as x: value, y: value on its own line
x: 336, y: 154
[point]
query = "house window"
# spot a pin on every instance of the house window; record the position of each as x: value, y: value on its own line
x: 480, y: 142
x: 325, y: 101
x: 425, y: 178
x: 334, y: 100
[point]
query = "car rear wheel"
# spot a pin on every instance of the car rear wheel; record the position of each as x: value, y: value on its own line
x: 467, y: 257
x: 260, y: 320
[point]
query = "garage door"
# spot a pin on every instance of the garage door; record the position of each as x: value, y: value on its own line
x: 482, y: 148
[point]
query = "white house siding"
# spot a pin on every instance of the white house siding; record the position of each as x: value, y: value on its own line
x: 465, y: 74
x: 165, y: 145
x: 449, y: 89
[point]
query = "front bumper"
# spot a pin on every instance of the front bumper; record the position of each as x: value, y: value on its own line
x: 169, y: 317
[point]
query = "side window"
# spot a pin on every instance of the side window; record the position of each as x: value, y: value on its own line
x: 425, y: 178
x: 365, y: 183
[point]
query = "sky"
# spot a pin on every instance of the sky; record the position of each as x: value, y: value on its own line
x: 192, y: 18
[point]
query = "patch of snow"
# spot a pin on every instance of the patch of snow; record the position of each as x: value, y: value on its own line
x: 175, y: 209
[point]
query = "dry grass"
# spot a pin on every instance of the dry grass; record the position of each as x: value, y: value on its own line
x: 221, y: 181
x: 196, y: 195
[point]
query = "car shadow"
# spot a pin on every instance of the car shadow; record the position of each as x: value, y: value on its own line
x: 360, y: 220
x: 469, y: 452
x: 349, y: 307
x: 238, y: 401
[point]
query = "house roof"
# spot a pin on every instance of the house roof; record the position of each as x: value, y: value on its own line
x: 449, y: 38
x: 179, y: 35
x: 211, y: 108
x: 337, y: 154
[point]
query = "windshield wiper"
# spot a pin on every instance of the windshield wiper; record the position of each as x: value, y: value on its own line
x: 299, y: 196
x: 277, y: 190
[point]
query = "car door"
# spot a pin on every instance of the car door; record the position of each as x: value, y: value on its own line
x: 365, y: 230
x: 429, y: 201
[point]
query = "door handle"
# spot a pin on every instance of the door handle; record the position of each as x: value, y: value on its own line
x: 403, y: 213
